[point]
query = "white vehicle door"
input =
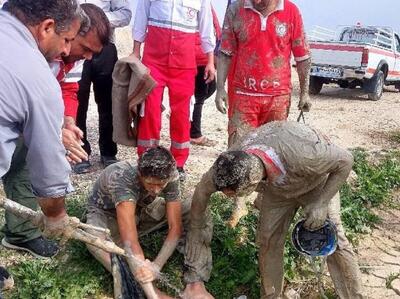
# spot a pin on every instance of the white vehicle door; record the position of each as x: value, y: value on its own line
x: 396, y: 70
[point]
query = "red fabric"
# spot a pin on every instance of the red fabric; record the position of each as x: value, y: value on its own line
x: 70, y: 97
x: 263, y: 56
x: 180, y: 83
x: 274, y: 171
x: 171, y: 48
x: 201, y: 57
x: 257, y: 111
x: 69, y: 90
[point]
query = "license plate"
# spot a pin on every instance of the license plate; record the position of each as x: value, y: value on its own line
x: 327, y: 72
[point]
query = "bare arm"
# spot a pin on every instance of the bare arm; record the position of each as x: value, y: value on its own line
x: 127, y: 227
x: 209, y: 71
x: 223, y: 66
x: 174, y: 216
x: 136, y: 48
x: 303, y: 70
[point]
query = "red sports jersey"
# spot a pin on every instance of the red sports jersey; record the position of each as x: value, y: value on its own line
x: 262, y: 47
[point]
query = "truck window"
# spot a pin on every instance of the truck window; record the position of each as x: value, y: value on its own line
x: 367, y: 35
x: 397, y: 41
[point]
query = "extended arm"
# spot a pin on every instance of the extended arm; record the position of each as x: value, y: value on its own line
x: 198, y: 235
x: 127, y: 227
x: 338, y: 166
x: 303, y: 70
x: 174, y: 216
x: 221, y: 98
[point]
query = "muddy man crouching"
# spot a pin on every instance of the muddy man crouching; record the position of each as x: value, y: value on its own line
x: 135, y: 200
x: 290, y: 165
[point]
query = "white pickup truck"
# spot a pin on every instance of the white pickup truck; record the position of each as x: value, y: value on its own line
x: 366, y: 56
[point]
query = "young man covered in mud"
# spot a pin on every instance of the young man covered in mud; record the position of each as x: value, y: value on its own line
x: 258, y: 39
x: 290, y: 165
x: 135, y: 200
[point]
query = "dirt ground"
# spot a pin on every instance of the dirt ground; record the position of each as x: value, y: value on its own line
x: 346, y: 116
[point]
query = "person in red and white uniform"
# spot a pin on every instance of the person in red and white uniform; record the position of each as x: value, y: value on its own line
x: 261, y: 36
x: 68, y: 71
x: 169, y: 30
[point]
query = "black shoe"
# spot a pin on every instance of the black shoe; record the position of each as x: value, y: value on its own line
x: 6, y: 280
x: 39, y: 247
x: 108, y: 160
x: 83, y: 167
x: 182, y: 174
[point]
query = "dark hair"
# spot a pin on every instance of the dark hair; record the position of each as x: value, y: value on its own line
x: 32, y: 12
x: 157, y: 162
x: 98, y: 22
x: 232, y: 170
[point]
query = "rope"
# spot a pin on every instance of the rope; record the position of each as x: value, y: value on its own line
x: 319, y: 273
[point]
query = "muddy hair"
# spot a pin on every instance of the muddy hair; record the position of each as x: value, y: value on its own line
x: 232, y: 170
x: 98, y: 22
x: 33, y: 12
x: 157, y: 162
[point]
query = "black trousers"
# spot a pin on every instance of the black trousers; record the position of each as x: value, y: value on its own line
x: 201, y: 93
x: 99, y: 72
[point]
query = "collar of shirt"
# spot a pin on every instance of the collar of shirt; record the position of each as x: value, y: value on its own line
x: 20, y: 28
x: 249, y: 4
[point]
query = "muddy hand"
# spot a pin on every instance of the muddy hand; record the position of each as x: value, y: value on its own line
x: 221, y: 100
x: 197, y: 238
x: 145, y: 273
x: 315, y: 217
x: 62, y: 226
x: 304, y: 103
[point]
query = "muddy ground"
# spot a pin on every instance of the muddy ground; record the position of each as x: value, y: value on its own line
x: 346, y: 116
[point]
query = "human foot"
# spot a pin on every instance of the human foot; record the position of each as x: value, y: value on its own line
x: 196, y: 290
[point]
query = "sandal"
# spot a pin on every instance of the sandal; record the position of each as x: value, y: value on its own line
x: 202, y: 141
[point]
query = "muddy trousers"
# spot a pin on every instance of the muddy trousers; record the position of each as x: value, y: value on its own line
x: 275, y: 218
x: 17, y: 187
x: 249, y: 112
x: 180, y: 83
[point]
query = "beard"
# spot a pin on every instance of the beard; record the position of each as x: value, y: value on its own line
x: 261, y: 6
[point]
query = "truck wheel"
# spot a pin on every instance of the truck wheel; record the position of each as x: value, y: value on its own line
x: 315, y: 85
x: 378, y: 88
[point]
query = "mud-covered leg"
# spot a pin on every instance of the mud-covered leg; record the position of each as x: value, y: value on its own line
x: 275, y: 218
x: 342, y: 265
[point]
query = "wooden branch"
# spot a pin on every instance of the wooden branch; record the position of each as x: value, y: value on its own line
x: 78, y: 234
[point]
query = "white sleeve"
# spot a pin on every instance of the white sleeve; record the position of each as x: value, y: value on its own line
x: 206, y: 27
x: 120, y: 13
x: 141, y: 19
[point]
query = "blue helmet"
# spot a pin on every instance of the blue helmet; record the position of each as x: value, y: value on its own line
x: 321, y: 242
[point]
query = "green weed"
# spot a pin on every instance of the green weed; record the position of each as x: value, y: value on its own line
x: 235, y: 253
